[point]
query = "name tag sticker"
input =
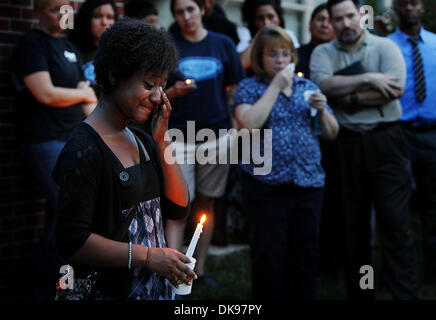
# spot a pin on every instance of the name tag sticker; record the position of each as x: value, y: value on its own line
x: 70, y: 56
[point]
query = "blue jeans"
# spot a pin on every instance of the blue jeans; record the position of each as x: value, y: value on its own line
x: 41, y: 158
x: 284, y: 233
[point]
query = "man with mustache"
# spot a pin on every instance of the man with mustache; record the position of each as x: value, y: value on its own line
x: 419, y: 117
x: 363, y: 75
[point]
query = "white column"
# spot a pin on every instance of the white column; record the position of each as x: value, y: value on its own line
x: 306, y: 20
x: 387, y: 3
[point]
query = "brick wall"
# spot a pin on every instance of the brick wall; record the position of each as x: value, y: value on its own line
x: 22, y: 207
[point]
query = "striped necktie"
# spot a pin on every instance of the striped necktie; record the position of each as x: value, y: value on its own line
x: 418, y: 67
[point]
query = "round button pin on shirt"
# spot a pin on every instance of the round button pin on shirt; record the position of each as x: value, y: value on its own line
x: 124, y: 176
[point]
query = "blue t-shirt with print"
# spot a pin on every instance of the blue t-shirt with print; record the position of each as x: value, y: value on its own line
x: 296, y: 155
x: 214, y: 64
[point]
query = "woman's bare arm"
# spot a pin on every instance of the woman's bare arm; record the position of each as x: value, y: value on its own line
x: 42, y: 88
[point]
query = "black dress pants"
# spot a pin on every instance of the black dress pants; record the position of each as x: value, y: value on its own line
x: 284, y: 235
x: 375, y: 167
x: 330, y: 236
x: 421, y: 144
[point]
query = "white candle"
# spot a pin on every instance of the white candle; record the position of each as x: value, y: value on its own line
x: 195, y: 237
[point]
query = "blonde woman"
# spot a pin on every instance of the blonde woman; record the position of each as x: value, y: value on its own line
x: 52, y: 99
x: 285, y: 205
x: 51, y: 92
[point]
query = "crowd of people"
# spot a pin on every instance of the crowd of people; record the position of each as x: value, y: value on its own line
x: 353, y: 134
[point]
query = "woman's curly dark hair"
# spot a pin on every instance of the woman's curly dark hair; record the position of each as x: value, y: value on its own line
x: 131, y: 45
x: 249, y: 8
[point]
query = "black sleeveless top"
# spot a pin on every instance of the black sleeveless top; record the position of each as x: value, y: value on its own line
x: 139, y: 182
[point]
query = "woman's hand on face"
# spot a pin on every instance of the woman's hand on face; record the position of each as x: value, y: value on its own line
x: 170, y: 264
x: 159, y: 123
x: 284, y: 78
x: 318, y: 101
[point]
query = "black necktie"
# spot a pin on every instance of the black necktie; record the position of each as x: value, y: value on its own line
x: 420, y: 89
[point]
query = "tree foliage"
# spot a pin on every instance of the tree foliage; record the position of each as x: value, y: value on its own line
x: 429, y: 19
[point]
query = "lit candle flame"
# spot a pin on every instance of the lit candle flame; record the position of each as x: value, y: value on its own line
x: 195, y: 237
x: 203, y: 219
x: 300, y: 74
x: 188, y: 81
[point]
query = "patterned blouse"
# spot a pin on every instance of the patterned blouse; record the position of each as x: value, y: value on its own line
x: 296, y: 155
x: 147, y: 229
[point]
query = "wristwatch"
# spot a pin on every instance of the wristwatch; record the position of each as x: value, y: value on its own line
x: 354, y: 99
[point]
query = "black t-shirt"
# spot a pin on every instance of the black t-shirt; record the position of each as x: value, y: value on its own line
x: 304, y: 54
x: 37, y: 51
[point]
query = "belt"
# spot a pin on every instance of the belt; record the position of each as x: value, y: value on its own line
x: 379, y: 127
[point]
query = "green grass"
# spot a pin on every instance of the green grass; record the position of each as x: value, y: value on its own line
x: 233, y: 274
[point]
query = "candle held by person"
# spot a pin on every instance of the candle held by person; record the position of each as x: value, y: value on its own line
x: 195, y: 237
